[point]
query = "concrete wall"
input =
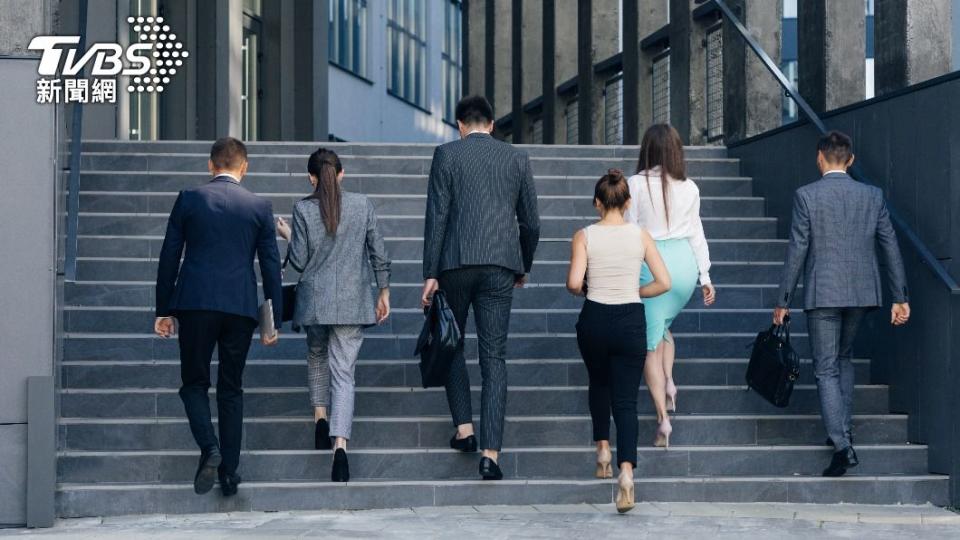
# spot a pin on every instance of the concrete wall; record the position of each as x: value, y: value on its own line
x: 27, y: 238
x: 908, y: 143
x: 361, y: 111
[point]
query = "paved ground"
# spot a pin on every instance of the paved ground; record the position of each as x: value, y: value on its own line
x: 704, y: 521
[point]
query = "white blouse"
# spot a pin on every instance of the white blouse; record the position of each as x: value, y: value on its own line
x: 647, y: 210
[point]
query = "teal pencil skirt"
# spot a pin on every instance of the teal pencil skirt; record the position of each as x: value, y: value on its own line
x: 661, y: 310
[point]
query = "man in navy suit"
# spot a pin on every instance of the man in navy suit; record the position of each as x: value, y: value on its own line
x: 213, y: 296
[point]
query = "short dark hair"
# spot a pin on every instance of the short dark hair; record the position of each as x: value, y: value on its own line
x: 612, y: 191
x: 474, y: 110
x: 228, y: 153
x: 836, y: 147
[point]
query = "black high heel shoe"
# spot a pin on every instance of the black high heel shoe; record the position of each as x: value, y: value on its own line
x: 341, y: 468
x: 321, y: 435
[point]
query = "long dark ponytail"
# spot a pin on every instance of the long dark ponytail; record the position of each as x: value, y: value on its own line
x: 662, y: 147
x: 325, y: 166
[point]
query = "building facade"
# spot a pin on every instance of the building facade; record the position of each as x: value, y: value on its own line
x: 599, y: 71
x: 392, y: 70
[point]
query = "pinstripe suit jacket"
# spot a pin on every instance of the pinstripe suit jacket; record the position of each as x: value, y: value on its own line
x: 837, y: 225
x: 481, y: 207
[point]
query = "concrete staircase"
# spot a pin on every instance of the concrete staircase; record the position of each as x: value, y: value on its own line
x: 125, y: 446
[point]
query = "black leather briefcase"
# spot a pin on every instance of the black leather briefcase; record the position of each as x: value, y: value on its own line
x: 774, y: 366
x: 438, y: 342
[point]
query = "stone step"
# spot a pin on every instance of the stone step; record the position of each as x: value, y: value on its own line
x: 102, y: 346
x: 516, y: 463
x: 292, y: 373
x: 406, y: 320
x: 412, y: 401
x: 412, y: 247
x: 255, y: 148
x: 405, y: 204
x: 280, y: 163
x: 285, y: 433
x: 410, y: 271
x: 361, y: 182
x: 412, y: 226
x: 541, y: 296
x: 79, y: 500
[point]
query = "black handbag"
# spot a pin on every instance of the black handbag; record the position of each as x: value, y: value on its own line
x: 774, y: 366
x: 289, y: 293
x: 438, y: 342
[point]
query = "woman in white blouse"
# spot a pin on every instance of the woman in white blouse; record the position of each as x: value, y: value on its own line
x: 667, y: 204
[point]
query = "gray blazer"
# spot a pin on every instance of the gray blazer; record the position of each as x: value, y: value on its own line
x: 335, y: 271
x: 837, y: 225
x: 481, y: 207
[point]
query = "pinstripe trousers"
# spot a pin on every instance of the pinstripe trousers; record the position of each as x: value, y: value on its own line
x: 489, y: 289
x: 333, y: 350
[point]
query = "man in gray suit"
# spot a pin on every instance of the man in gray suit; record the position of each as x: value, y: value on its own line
x: 837, y: 225
x: 481, y: 232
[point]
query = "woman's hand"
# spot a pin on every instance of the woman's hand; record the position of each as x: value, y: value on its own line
x: 709, y: 294
x: 283, y: 229
x: 383, y: 306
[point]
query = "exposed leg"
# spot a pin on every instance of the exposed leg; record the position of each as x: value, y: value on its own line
x: 653, y: 374
x: 669, y: 353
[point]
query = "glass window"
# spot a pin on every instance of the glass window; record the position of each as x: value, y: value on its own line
x: 348, y: 35
x: 452, y: 59
x: 572, y: 113
x: 613, y: 110
x: 536, y: 130
x: 789, y: 105
x: 407, y: 50
x: 144, y: 106
x: 715, y: 83
x: 661, y: 89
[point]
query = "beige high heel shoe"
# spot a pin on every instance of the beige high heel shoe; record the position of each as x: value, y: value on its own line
x: 662, y: 439
x: 625, y: 497
x: 671, y: 392
x: 604, y: 469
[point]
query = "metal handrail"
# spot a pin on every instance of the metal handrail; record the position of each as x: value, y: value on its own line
x: 926, y: 255
x: 73, y: 187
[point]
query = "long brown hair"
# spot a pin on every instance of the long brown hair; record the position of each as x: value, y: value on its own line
x: 662, y: 147
x: 325, y: 166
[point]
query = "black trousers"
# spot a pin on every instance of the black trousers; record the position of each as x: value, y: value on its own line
x: 613, y: 343
x: 200, y: 332
x: 489, y: 289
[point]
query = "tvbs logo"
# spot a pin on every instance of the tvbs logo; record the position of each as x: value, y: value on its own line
x: 148, y: 63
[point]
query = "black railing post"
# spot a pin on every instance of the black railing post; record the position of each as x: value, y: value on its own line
x: 73, y: 194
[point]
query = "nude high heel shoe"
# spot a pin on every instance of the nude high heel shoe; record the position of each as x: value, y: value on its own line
x: 625, y: 496
x: 662, y: 439
x: 604, y: 469
x: 671, y: 392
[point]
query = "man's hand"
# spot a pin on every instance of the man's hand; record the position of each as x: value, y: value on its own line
x: 779, y: 314
x: 430, y: 286
x: 383, y: 306
x: 900, y: 314
x: 519, y: 281
x: 709, y: 294
x: 165, y: 326
x: 270, y: 341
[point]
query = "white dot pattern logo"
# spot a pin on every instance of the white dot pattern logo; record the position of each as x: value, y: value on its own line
x: 166, y: 48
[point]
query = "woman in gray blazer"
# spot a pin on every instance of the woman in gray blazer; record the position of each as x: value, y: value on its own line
x: 339, y: 252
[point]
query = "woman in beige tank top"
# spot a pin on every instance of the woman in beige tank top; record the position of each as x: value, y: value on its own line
x: 611, y: 330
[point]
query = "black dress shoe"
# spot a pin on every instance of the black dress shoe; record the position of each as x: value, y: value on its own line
x: 489, y: 470
x: 321, y: 435
x: 229, y: 484
x: 466, y: 444
x: 842, y: 460
x: 341, y: 468
x: 206, y: 475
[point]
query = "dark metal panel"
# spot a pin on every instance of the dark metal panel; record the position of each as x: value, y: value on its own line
x: 41, y: 451
x: 516, y: 71
x: 631, y: 73
x: 585, y: 70
x: 489, y: 53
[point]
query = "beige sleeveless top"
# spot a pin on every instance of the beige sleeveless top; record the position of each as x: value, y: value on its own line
x: 614, y: 259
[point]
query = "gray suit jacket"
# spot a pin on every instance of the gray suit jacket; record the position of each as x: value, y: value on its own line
x: 837, y: 225
x: 481, y: 207
x: 336, y: 271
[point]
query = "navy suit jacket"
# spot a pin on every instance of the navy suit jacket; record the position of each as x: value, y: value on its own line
x: 222, y: 226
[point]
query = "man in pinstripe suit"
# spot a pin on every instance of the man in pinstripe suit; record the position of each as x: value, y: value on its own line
x: 481, y: 232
